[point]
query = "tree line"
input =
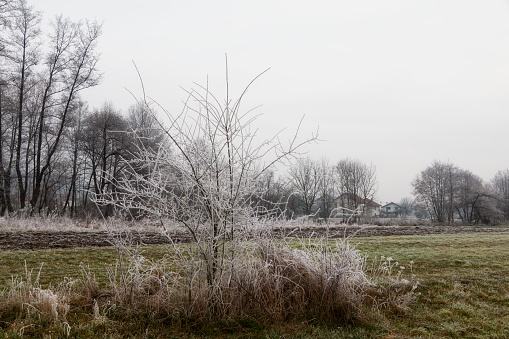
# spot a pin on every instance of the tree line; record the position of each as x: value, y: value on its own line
x: 53, y: 149
x: 445, y: 193
x: 319, y: 187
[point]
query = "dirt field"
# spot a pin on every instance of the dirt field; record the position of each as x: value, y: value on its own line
x: 44, y: 240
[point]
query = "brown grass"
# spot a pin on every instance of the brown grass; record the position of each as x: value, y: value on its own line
x: 267, y: 281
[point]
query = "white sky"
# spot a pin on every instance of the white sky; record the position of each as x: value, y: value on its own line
x: 395, y: 83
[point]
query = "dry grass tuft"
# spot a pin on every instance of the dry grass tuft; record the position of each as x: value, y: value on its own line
x: 266, y: 280
x: 26, y: 303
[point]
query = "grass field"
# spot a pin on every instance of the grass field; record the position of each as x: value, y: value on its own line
x: 464, y: 290
x: 464, y: 284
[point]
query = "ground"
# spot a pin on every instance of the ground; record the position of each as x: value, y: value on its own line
x: 67, y: 239
x: 463, y: 289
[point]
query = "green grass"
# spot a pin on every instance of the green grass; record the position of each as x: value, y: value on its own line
x: 464, y: 289
x: 464, y: 283
x: 60, y: 263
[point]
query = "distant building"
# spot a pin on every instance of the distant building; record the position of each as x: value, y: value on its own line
x: 391, y: 210
x: 349, y: 204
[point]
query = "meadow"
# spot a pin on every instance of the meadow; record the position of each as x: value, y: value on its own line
x: 463, y: 292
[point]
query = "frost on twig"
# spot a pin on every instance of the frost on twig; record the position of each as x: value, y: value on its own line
x: 204, y: 174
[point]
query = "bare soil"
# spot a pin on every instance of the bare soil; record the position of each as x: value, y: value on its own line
x: 46, y: 240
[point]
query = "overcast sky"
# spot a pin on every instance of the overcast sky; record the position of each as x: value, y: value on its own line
x: 394, y: 83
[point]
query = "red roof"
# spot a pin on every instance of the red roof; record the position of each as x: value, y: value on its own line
x: 359, y: 200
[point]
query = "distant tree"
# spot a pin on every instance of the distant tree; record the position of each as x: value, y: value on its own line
x: 434, y: 191
x: 327, y: 187
x: 70, y: 68
x: 305, y: 178
x: 487, y: 210
x: 356, y: 182
x: 143, y: 125
x: 105, y: 144
x: 446, y: 192
x: 407, y: 206
x: 500, y: 189
x: 77, y: 162
x: 271, y: 196
x: 421, y: 211
x: 41, y: 78
x: 468, y: 196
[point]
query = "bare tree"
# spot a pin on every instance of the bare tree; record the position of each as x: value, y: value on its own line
x: 203, y: 175
x: 6, y: 15
x: 500, y: 188
x: 76, y: 161
x: 305, y: 180
x: 44, y: 78
x: 407, y: 206
x: 432, y: 189
x: 468, y: 196
x: 357, y: 183
x: 71, y: 68
x: 444, y: 192
x: 106, y: 143
x: 328, y: 187
x: 272, y: 196
x: 144, y: 127
x: 7, y: 138
x: 22, y: 55
x: 55, y: 63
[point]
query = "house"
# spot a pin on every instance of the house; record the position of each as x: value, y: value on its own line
x: 391, y: 210
x: 349, y: 204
